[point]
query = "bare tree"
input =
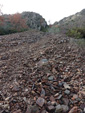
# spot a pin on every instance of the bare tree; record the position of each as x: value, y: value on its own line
x: 1, y: 17
x: 1, y: 9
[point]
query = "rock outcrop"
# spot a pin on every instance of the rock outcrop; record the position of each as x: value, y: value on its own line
x: 34, y: 20
x: 74, y: 21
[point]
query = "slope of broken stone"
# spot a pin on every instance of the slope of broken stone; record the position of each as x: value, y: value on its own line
x: 35, y: 66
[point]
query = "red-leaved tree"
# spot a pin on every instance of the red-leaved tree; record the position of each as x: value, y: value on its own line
x: 17, y: 22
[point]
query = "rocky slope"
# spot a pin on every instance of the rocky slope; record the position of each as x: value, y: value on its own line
x: 73, y: 21
x: 41, y: 73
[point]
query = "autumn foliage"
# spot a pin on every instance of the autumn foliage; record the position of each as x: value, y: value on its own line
x: 1, y: 20
x: 17, y: 22
x: 12, y: 23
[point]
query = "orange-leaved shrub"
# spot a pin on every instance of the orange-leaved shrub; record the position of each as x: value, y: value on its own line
x: 17, y: 22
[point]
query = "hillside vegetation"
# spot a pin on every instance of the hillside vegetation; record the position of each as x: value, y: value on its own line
x: 21, y: 22
x: 73, y: 25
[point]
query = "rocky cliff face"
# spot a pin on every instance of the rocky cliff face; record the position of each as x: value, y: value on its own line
x: 34, y: 20
x: 73, y: 21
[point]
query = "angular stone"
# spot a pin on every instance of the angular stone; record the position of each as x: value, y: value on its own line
x: 54, y: 103
x: 66, y: 86
x: 40, y: 101
x: 60, y: 84
x: 84, y: 110
x: 42, y: 62
x: 42, y: 93
x: 65, y: 108
x: 16, y: 89
x: 66, y: 101
x: 44, y: 111
x: 32, y: 109
x: 50, y: 78
x: 74, y: 97
x: 67, y: 92
x: 74, y: 110
x: 82, y: 106
x: 17, y: 111
x: 51, y: 108
x: 52, y: 99
x: 59, y: 97
x: 82, y: 92
x: 28, y: 109
x: 59, y: 109
x: 5, y: 57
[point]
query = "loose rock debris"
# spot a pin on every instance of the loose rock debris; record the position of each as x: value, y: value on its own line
x: 41, y: 73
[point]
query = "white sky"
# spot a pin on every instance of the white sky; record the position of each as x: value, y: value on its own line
x: 53, y: 10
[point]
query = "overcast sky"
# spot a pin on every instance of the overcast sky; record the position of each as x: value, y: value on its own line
x: 53, y: 10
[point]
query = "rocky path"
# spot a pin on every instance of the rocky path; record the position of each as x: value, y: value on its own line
x: 41, y: 73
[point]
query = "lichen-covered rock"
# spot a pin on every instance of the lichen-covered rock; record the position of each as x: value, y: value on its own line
x: 34, y: 20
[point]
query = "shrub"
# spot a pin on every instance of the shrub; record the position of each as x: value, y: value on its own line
x: 14, y: 23
x: 10, y: 31
x: 44, y: 29
x: 77, y: 32
x: 54, y: 29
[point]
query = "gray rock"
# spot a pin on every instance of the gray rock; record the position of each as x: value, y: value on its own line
x: 17, y: 111
x: 51, y: 108
x: 67, y: 92
x: 40, y: 101
x: 32, y: 109
x: 60, y: 84
x: 74, y: 110
x: 34, y: 20
x: 66, y: 86
x: 84, y: 110
x: 42, y: 93
x: 5, y: 57
x: 66, y: 101
x: 59, y: 109
x: 42, y: 62
x: 44, y: 111
x: 82, y: 106
x: 65, y: 108
x: 50, y: 78
x: 16, y: 88
x: 59, y: 97
x: 75, y: 96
